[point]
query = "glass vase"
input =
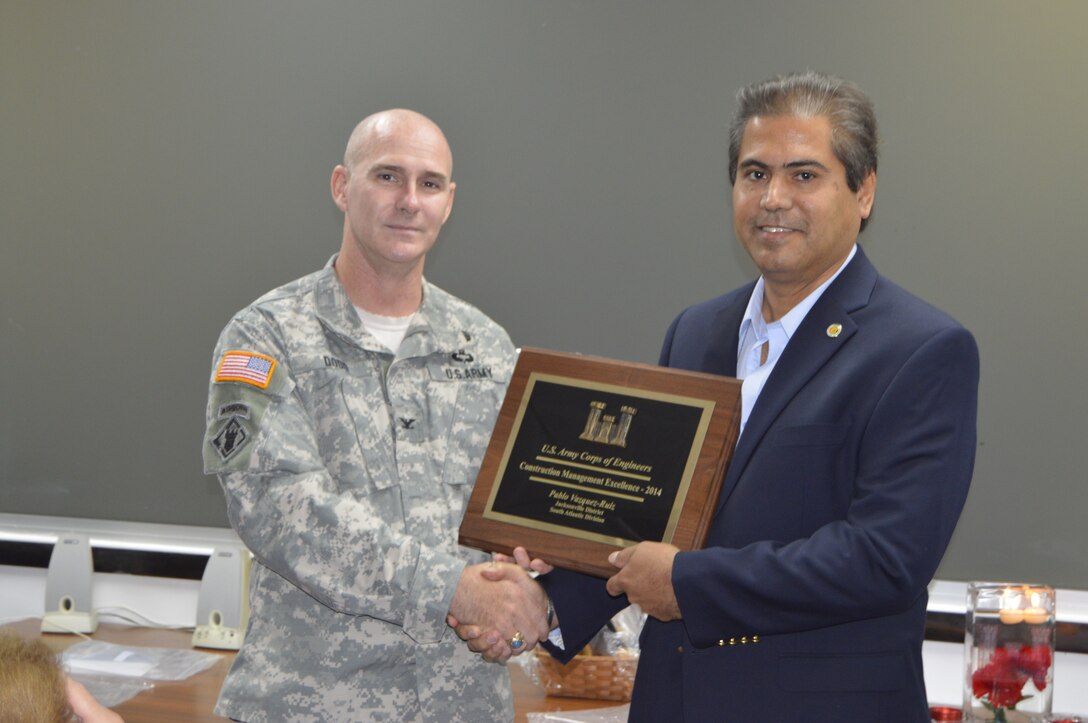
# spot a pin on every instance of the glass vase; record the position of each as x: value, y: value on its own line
x: 1008, y: 652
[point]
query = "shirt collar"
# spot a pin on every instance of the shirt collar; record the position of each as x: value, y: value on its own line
x: 432, y: 321
x: 753, y: 315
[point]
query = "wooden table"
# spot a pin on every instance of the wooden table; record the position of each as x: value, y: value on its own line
x: 194, y: 699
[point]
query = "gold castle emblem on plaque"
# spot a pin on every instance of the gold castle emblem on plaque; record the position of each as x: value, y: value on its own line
x: 604, y: 428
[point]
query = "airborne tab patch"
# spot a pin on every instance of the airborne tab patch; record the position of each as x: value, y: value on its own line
x: 246, y: 366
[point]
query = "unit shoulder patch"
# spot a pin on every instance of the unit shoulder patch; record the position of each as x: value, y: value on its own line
x: 231, y: 437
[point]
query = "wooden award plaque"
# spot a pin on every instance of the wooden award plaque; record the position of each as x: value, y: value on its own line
x: 590, y: 455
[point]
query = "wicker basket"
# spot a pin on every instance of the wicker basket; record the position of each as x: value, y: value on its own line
x: 601, y: 677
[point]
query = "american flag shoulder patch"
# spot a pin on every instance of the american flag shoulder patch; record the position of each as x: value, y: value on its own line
x: 246, y: 366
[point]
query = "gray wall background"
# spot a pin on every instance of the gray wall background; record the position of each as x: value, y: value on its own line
x: 164, y: 163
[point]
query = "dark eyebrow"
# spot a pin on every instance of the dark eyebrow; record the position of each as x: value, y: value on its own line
x: 753, y: 163
x: 801, y: 163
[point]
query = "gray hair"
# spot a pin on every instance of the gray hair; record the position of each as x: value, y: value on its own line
x: 810, y: 95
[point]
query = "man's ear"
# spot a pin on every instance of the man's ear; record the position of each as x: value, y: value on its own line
x: 866, y: 195
x: 449, y: 203
x: 338, y: 185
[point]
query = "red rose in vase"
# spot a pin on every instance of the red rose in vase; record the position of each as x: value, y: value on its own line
x: 1035, y: 661
x: 1000, y: 683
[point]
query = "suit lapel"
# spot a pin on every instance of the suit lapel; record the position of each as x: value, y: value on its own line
x: 721, y: 349
x: 810, y: 348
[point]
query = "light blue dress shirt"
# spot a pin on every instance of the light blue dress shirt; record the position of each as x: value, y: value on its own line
x: 755, y: 332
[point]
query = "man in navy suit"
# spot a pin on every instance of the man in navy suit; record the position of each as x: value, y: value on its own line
x: 808, y: 601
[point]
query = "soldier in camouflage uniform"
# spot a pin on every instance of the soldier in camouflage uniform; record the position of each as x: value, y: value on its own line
x: 347, y: 465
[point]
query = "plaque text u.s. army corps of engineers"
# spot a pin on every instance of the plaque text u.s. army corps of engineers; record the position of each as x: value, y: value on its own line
x: 590, y: 454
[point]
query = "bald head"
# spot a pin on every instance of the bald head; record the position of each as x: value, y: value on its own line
x: 381, y: 127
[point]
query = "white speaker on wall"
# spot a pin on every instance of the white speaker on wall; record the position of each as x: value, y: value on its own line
x: 222, y: 610
x: 68, y: 605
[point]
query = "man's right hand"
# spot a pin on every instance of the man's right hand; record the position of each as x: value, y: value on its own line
x: 493, y: 602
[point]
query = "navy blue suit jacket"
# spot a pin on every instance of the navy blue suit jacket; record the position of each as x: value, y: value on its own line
x: 808, y: 601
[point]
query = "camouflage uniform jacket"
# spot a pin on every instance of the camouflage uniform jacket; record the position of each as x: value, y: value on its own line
x: 346, y: 471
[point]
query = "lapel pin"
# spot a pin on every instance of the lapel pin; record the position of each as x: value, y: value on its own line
x: 834, y: 330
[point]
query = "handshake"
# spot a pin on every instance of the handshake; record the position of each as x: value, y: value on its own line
x: 500, y: 610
